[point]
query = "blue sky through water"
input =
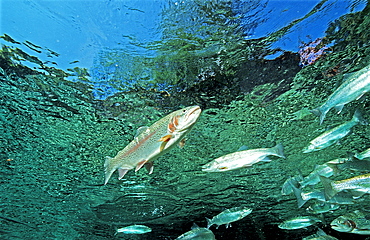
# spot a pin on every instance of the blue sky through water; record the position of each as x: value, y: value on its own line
x: 79, y: 30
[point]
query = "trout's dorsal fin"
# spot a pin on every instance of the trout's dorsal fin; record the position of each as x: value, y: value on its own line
x: 140, y: 130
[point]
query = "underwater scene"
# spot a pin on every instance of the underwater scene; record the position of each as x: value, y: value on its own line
x: 201, y: 119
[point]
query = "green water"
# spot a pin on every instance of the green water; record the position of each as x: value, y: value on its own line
x: 54, y: 138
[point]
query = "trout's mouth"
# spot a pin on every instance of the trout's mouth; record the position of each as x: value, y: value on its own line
x: 190, y: 118
x: 197, y: 108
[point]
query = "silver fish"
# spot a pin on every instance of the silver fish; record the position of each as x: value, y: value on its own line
x: 320, y: 235
x: 287, y: 185
x: 332, y: 136
x: 355, y: 222
x: 327, y: 170
x: 364, y: 154
x: 322, y: 207
x: 228, y: 216
x: 197, y: 233
x: 355, y: 164
x: 355, y: 85
x: 303, y: 197
x: 358, y: 185
x: 134, y: 229
x: 243, y: 159
x: 299, y: 222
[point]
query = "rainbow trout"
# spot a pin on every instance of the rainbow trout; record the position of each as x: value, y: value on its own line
x: 152, y: 142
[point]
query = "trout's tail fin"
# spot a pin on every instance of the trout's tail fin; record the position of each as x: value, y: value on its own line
x: 329, y: 191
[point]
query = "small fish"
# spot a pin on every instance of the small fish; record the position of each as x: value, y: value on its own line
x: 364, y: 154
x: 134, y: 229
x: 228, y: 216
x: 322, y: 207
x: 303, y: 197
x: 358, y: 185
x: 152, y: 142
x: 355, y: 85
x: 327, y: 170
x: 332, y: 136
x: 242, y: 159
x: 355, y: 222
x: 287, y: 185
x: 197, y: 233
x: 320, y: 235
x: 299, y: 222
x: 355, y: 164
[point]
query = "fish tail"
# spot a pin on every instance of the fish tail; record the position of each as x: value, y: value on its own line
x: 320, y: 113
x: 109, y: 169
x: 335, y: 167
x: 329, y: 191
x: 209, y: 222
x: 279, y: 150
x: 358, y: 118
x: 297, y: 192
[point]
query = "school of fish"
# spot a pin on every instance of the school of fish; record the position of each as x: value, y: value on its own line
x: 152, y: 142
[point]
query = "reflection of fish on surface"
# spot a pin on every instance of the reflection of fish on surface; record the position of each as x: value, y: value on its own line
x: 355, y: 85
x: 241, y: 159
x: 299, y: 222
x: 332, y: 136
x: 357, y: 186
x: 228, y: 216
x: 152, y: 142
x: 355, y: 222
x: 197, y: 233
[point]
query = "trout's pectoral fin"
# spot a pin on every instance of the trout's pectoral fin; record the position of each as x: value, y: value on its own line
x: 149, y: 167
x: 121, y: 173
x: 140, y: 165
x: 164, y: 141
x: 165, y: 138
